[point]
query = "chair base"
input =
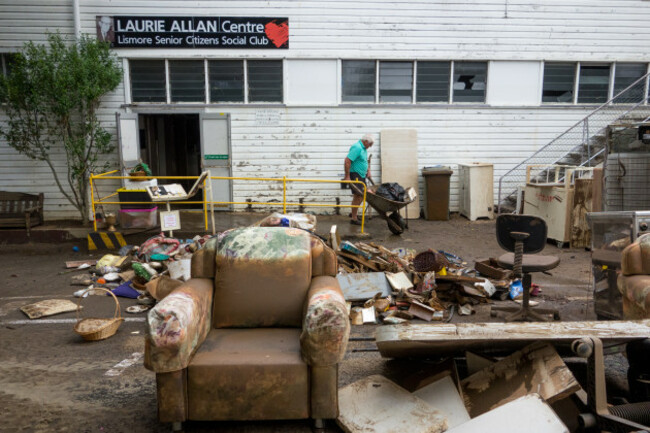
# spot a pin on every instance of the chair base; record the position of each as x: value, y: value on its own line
x: 524, y: 313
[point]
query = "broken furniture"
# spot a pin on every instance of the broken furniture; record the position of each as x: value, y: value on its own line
x: 256, y: 334
x: 18, y: 209
x: 611, y: 232
x: 603, y: 417
x: 524, y: 236
x: 634, y: 280
x: 170, y: 220
x: 549, y: 194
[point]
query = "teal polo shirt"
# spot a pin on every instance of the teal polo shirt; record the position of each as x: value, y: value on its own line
x: 358, y: 154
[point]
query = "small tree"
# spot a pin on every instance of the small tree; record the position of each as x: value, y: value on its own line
x: 51, y: 97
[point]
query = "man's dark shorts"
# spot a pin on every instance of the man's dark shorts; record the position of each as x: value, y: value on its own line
x: 355, y: 187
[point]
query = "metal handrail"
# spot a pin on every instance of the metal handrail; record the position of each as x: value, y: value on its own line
x: 586, y: 136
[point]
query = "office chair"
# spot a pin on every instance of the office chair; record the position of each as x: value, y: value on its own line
x: 524, y: 236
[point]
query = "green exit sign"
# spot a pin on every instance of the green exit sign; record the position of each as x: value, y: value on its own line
x: 215, y: 157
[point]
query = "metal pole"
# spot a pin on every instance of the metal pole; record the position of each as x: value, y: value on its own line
x: 92, y: 202
x: 284, y: 195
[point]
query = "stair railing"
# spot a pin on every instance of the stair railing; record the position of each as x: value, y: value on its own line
x: 576, y: 141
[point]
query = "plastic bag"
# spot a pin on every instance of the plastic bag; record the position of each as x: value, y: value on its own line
x: 159, y: 245
x: 516, y: 289
x: 296, y: 220
x: 392, y: 191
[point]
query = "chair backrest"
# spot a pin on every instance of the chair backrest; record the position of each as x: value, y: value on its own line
x: 533, y: 225
x: 262, y: 277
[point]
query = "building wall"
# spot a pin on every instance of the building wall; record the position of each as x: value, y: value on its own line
x: 312, y: 140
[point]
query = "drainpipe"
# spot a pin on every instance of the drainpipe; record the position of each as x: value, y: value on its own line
x: 77, y: 19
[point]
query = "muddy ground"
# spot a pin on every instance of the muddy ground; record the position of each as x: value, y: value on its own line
x: 53, y: 381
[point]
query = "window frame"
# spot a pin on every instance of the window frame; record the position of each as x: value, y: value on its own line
x: 128, y: 80
x: 611, y: 84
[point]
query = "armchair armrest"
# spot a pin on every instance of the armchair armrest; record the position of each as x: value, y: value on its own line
x: 178, y: 325
x: 326, y: 326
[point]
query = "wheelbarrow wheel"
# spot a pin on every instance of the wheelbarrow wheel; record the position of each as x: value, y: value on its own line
x: 396, y: 223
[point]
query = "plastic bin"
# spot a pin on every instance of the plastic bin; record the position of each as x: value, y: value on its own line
x: 139, y: 218
x: 436, y: 191
x: 130, y: 195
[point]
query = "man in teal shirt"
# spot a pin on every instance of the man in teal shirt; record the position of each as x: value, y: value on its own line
x: 357, y: 168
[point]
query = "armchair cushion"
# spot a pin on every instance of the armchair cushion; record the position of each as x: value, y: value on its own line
x: 634, y: 280
x: 326, y: 327
x: 249, y: 374
x: 177, y: 325
x: 262, y: 277
x: 635, y: 258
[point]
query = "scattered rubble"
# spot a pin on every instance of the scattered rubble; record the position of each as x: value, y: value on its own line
x: 430, y: 284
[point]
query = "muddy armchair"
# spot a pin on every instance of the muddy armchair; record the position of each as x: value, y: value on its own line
x: 634, y: 280
x: 256, y: 334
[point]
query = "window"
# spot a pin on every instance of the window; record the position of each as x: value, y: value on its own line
x: 395, y: 81
x: 624, y: 76
x: 6, y: 61
x: 148, y: 81
x: 358, y: 81
x: 264, y: 81
x: 187, y: 80
x: 469, y: 81
x: 559, y: 81
x: 593, y: 84
x: 226, y: 79
x: 433, y: 82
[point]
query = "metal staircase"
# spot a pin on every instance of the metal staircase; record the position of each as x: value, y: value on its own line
x: 582, y: 145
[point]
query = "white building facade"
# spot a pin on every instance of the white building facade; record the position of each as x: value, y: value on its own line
x: 283, y: 88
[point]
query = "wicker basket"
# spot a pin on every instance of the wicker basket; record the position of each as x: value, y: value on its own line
x: 93, y: 329
x: 138, y: 176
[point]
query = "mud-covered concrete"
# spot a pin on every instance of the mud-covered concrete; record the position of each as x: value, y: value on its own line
x: 52, y: 380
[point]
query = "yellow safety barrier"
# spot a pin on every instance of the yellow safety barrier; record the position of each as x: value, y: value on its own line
x: 205, y: 202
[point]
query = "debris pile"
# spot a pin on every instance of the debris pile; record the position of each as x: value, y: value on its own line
x: 397, y: 285
x: 531, y: 390
x: 147, y: 272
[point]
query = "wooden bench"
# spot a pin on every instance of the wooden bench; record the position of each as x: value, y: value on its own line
x: 21, y: 210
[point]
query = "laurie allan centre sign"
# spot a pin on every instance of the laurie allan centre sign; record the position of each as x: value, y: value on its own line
x: 193, y: 32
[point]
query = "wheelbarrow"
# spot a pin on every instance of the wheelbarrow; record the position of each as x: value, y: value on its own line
x: 389, y: 209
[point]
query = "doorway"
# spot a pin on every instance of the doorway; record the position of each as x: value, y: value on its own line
x: 171, y: 145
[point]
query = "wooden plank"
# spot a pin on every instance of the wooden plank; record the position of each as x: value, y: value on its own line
x: 582, y: 203
x: 375, y: 404
x: 372, y: 266
x: 440, y: 339
x: 399, y: 162
x: 597, y: 190
x: 535, y: 369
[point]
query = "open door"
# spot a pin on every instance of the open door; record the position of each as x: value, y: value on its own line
x: 128, y: 140
x: 215, y: 154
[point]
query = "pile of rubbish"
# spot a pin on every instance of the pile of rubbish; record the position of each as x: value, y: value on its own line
x: 394, y: 286
x: 147, y: 272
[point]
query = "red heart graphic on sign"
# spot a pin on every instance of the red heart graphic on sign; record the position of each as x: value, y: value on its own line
x: 278, y: 34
